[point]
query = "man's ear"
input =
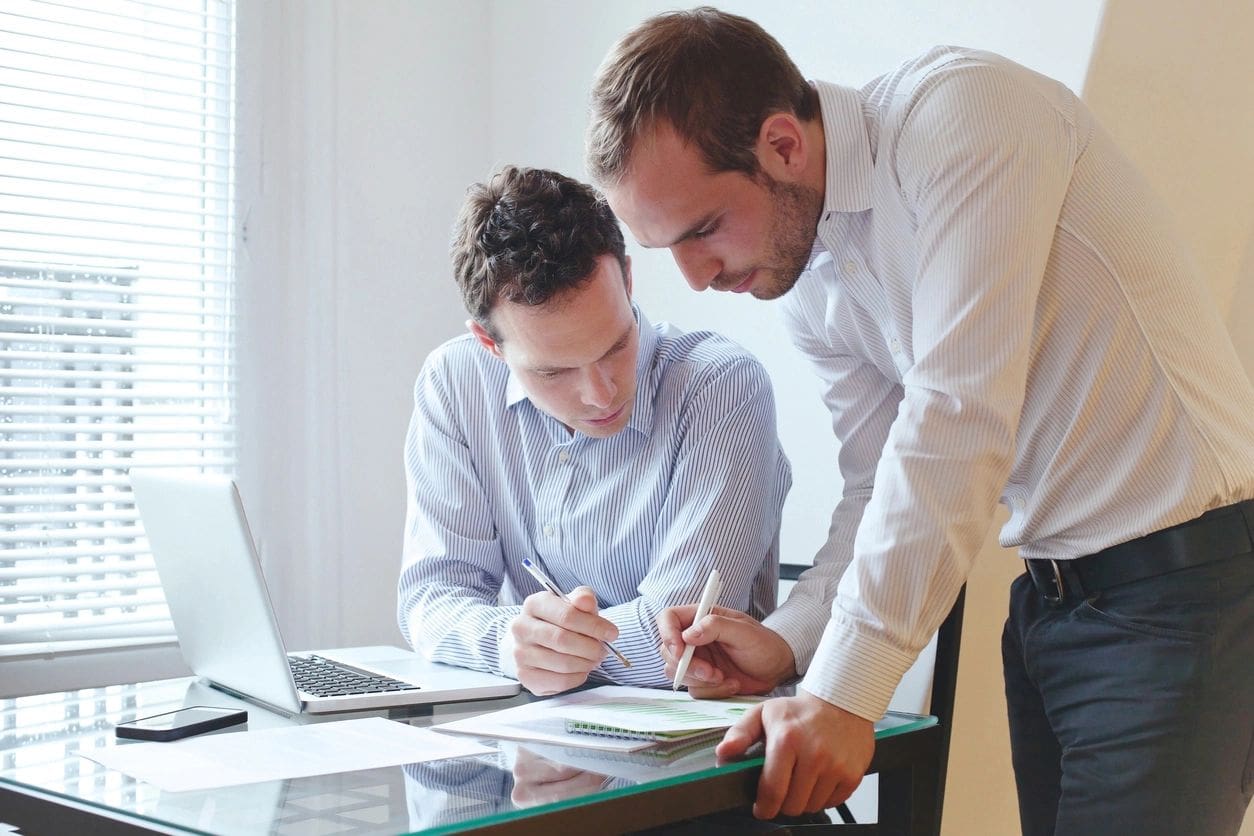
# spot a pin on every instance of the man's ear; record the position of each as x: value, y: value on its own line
x: 783, y: 149
x: 627, y: 275
x: 485, y: 339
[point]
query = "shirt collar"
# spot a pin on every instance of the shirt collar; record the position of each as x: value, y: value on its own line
x: 646, y: 358
x: 642, y: 409
x: 849, y: 160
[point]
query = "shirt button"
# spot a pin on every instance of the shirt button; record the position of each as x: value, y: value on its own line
x: 895, y: 345
x: 851, y: 267
x: 548, y: 530
x: 563, y: 456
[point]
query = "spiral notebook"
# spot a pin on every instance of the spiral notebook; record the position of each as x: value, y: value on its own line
x: 654, y: 718
x: 611, y: 717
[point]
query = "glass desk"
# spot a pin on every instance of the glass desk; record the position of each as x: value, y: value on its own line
x: 46, y: 786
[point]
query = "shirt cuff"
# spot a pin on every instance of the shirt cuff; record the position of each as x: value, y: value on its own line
x: 800, y: 625
x: 854, y: 671
x: 505, y: 653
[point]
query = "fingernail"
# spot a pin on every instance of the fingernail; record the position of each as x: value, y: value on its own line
x: 694, y: 632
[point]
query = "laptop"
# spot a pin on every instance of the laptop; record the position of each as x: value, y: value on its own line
x: 208, y: 566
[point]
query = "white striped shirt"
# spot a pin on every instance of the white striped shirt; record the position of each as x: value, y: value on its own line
x: 999, y: 311
x: 695, y: 481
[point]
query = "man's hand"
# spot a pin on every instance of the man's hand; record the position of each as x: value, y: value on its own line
x: 555, y: 643
x: 538, y: 780
x: 735, y: 653
x: 816, y: 753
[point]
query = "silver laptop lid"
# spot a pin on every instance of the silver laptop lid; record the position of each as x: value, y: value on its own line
x: 213, y: 584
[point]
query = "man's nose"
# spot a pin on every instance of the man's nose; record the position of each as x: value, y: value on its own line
x: 699, y: 269
x: 599, y: 388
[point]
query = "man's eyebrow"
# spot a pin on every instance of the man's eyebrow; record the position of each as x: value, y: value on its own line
x: 621, y: 341
x: 701, y: 224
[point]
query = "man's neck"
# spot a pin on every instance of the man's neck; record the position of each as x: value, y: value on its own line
x: 815, y: 175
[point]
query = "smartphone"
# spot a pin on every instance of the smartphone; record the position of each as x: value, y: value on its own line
x: 175, y: 725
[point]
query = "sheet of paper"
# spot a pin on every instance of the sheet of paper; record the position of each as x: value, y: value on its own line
x: 545, y: 720
x: 249, y: 757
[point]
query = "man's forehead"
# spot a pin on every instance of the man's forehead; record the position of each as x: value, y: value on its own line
x: 665, y: 190
x: 540, y: 346
x: 572, y: 329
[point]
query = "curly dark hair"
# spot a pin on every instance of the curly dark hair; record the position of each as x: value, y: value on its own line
x: 528, y: 235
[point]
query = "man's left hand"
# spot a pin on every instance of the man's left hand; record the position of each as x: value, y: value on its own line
x: 816, y: 753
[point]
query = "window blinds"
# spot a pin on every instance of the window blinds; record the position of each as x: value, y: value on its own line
x: 116, y: 300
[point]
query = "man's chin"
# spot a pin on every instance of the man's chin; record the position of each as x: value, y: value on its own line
x: 775, y: 288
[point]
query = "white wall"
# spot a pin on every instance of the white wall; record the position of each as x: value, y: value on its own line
x: 363, y: 123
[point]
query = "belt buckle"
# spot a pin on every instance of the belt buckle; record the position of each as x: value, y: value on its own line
x: 1058, y: 584
x: 1041, y: 580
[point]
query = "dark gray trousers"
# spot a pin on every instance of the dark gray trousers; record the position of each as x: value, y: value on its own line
x: 1132, y: 710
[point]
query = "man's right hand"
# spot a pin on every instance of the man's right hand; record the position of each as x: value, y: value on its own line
x: 735, y: 653
x: 556, y: 643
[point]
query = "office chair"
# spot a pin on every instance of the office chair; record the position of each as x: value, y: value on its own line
x: 912, y: 766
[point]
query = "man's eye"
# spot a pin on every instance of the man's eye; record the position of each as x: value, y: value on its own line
x: 705, y: 233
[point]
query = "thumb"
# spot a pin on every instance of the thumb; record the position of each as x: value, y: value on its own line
x: 744, y: 733
x: 583, y: 598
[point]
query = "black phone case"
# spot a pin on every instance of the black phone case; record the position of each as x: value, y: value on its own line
x: 129, y: 732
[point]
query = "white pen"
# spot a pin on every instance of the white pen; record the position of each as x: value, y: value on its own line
x: 708, y: 597
x: 547, y: 582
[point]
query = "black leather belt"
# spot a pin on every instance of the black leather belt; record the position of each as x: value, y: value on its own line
x: 1216, y: 535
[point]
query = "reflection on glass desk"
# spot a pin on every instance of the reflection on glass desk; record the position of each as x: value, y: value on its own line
x: 519, y: 787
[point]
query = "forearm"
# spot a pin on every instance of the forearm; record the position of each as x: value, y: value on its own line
x: 452, y: 624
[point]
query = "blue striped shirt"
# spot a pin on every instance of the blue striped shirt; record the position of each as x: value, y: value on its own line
x: 695, y: 481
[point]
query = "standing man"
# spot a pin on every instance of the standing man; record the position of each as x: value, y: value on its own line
x: 999, y: 312
x: 627, y: 460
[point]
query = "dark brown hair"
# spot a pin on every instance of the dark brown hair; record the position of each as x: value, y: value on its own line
x: 715, y: 77
x: 526, y: 236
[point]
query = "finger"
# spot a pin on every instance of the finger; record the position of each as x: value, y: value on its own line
x: 825, y: 790
x: 720, y: 625
x: 777, y: 775
x: 544, y: 683
x: 672, y: 621
x: 557, y: 611
x: 544, y: 659
x: 583, y: 598
x: 723, y: 690
x: 743, y: 733
x: 800, y: 788
x: 533, y: 639
x: 702, y: 673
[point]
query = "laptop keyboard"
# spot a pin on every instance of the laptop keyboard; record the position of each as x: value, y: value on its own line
x: 323, y: 678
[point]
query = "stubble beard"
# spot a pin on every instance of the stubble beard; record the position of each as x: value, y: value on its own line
x: 794, y: 223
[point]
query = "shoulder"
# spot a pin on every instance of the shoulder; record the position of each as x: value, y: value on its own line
x: 460, y: 368
x: 695, y: 361
x: 961, y: 80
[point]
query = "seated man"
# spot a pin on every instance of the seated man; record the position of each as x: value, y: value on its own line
x: 626, y: 459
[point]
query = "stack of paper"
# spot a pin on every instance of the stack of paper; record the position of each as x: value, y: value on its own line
x: 611, y: 718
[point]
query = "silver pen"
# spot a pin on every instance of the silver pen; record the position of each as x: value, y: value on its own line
x: 547, y: 582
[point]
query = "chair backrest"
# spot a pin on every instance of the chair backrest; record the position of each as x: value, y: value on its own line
x: 945, y: 685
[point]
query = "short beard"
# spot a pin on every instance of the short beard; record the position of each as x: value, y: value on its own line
x: 794, y: 224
